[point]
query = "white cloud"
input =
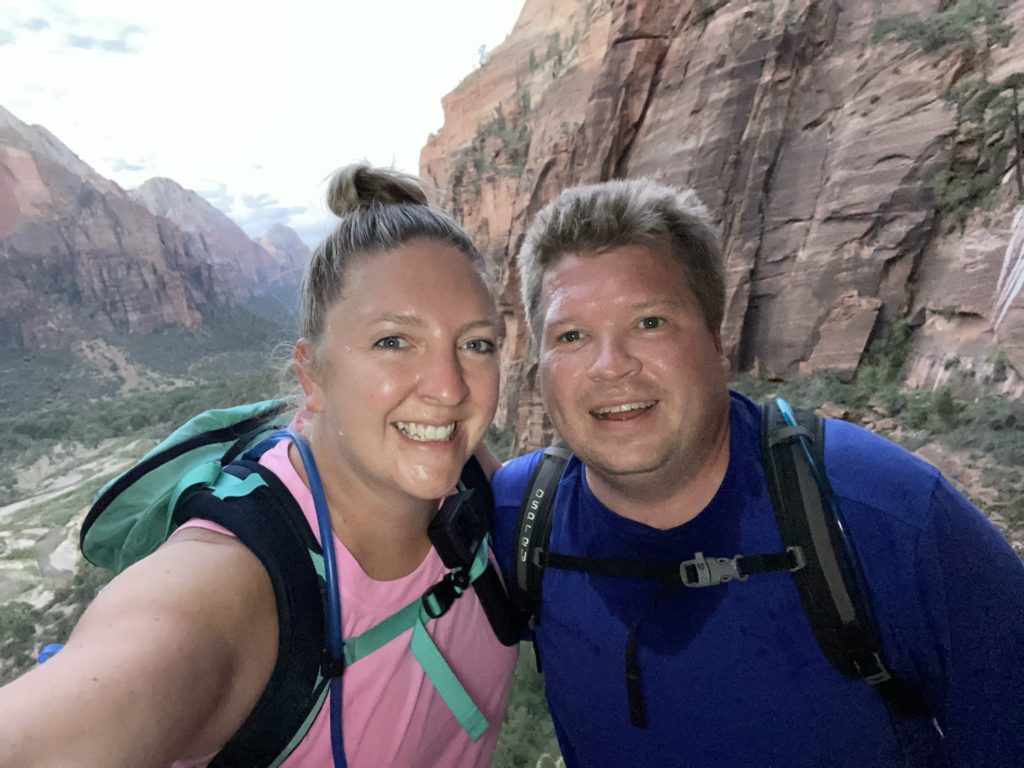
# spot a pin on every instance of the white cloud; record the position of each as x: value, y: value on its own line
x: 246, y: 98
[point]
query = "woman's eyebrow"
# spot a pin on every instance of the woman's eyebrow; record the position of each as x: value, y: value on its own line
x: 481, y: 324
x: 401, y: 318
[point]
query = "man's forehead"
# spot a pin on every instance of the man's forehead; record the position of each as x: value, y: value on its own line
x: 577, y: 285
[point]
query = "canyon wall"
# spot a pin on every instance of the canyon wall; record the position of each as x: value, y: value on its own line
x: 856, y: 156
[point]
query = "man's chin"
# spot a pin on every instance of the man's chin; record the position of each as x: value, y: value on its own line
x: 621, y: 467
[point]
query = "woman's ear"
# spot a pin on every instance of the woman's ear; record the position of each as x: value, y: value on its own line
x: 305, y: 371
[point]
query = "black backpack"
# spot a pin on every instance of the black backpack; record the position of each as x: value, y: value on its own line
x: 816, y: 552
x: 209, y: 469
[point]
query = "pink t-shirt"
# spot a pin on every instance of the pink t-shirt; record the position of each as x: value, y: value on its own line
x: 392, y: 714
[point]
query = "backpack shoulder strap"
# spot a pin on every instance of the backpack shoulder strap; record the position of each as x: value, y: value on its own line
x: 831, y: 586
x: 266, y: 518
x: 533, y: 528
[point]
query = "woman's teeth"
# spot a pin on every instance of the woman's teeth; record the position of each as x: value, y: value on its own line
x: 425, y: 433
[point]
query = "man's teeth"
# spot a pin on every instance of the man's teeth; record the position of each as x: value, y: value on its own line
x: 425, y: 433
x: 603, y: 413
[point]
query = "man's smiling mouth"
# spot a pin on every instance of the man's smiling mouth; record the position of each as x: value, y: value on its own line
x: 426, y: 433
x: 623, y: 411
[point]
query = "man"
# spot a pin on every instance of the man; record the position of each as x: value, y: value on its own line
x: 623, y: 288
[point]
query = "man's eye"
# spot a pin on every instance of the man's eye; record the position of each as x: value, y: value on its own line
x: 570, y: 337
x: 391, y: 342
x: 652, y: 322
x: 481, y: 346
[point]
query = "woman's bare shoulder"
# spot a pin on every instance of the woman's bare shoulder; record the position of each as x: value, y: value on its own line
x: 167, y: 661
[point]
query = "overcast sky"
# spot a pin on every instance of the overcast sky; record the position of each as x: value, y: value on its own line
x: 249, y: 103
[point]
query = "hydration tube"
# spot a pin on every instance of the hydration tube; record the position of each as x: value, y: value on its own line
x: 335, y: 642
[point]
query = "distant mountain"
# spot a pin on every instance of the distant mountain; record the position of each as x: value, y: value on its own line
x: 285, y: 245
x: 78, y: 257
x: 246, y: 266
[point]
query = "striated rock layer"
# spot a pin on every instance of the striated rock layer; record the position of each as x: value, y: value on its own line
x: 78, y: 256
x: 247, y: 267
x: 842, y: 164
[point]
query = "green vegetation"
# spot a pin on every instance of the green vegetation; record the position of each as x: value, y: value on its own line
x: 34, y: 433
x: 86, y: 196
x: 989, y: 428
x: 984, y: 140
x: 984, y: 145
x: 27, y: 629
x: 527, y: 735
x: 515, y: 141
x: 955, y: 25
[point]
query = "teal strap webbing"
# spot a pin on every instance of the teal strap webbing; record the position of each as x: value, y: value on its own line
x: 228, y: 486
x: 381, y: 634
x: 204, y: 474
x: 447, y: 684
x: 415, y: 616
x: 321, y: 692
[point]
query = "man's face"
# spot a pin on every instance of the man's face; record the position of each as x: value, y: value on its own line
x: 631, y: 376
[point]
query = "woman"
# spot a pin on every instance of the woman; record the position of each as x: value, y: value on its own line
x: 398, y: 369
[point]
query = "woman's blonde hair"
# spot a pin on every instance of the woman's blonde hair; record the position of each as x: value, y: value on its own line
x: 380, y: 209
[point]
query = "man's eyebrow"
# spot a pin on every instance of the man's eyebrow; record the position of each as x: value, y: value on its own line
x: 659, y: 302
x: 639, y: 306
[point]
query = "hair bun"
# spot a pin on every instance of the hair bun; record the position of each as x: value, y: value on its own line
x: 359, y: 186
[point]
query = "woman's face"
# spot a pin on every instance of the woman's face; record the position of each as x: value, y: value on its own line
x: 405, y: 380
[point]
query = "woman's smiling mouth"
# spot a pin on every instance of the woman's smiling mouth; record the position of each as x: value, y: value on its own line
x: 426, y: 433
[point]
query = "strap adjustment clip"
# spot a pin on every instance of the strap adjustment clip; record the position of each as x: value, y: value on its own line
x: 879, y: 675
x: 709, y: 572
x: 440, y: 597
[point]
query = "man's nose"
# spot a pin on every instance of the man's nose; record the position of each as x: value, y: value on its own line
x: 613, y: 359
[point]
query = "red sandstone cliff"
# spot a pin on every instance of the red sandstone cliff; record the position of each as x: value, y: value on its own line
x: 78, y: 256
x: 855, y: 156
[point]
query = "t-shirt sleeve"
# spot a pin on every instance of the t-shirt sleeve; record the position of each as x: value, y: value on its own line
x: 973, y: 587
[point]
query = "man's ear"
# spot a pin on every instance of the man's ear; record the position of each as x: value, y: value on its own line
x: 307, y: 374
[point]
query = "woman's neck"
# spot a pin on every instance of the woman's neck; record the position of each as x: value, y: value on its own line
x: 386, y: 533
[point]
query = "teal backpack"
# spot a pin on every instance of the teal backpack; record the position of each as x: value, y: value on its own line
x: 209, y: 469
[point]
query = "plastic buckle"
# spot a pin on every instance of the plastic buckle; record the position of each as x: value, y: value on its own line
x: 881, y: 675
x: 709, y: 572
x: 440, y: 597
x: 799, y: 559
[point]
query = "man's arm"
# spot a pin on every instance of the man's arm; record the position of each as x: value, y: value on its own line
x: 166, y: 663
x: 979, y: 597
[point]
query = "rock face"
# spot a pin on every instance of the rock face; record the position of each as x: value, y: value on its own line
x: 245, y: 266
x: 288, y: 251
x: 843, y: 150
x: 78, y: 256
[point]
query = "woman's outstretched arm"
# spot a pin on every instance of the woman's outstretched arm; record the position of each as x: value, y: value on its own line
x: 166, y: 663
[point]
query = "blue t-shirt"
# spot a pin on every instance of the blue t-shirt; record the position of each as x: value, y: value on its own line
x: 732, y: 675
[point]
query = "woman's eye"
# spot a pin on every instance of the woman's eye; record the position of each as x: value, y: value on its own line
x: 650, y: 323
x: 391, y: 342
x: 482, y: 346
x: 570, y: 337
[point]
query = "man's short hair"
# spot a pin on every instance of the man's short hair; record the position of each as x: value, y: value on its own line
x: 591, y: 220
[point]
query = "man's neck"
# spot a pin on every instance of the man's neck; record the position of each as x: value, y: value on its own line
x: 671, y: 495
